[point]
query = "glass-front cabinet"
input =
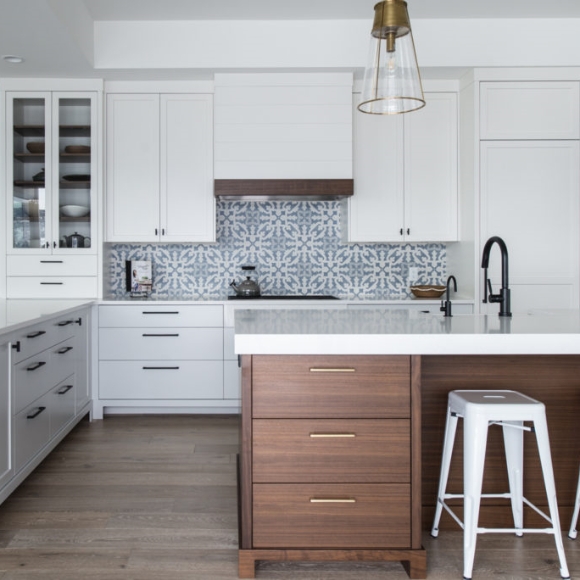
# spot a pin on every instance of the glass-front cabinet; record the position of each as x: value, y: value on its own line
x: 51, y: 172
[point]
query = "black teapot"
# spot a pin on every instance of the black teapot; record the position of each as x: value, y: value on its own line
x: 248, y: 288
x: 75, y: 241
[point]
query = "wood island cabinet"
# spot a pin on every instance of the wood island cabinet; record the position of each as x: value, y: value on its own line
x: 330, y: 460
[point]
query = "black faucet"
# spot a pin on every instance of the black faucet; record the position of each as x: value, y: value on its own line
x: 504, y: 294
x: 446, y: 305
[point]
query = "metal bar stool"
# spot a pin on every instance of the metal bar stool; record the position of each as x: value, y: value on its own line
x: 573, y: 533
x: 479, y: 410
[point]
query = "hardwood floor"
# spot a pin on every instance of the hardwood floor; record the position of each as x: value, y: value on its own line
x: 154, y: 498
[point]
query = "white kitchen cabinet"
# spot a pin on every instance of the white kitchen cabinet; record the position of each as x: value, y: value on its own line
x: 6, y: 461
x: 530, y: 194
x: 405, y: 175
x: 161, y: 356
x: 530, y: 110
x: 160, y: 168
x: 52, y: 179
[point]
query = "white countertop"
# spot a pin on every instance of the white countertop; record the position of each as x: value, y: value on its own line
x: 385, y: 331
x: 15, y: 314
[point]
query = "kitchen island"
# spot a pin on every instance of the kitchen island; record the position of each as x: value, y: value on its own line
x: 331, y: 376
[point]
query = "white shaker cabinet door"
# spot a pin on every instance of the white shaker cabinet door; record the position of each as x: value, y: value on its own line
x: 530, y: 198
x: 187, y: 201
x: 431, y: 170
x: 132, y: 167
x: 6, y: 464
x: 376, y: 208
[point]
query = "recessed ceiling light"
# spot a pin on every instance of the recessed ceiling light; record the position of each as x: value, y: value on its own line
x: 13, y: 58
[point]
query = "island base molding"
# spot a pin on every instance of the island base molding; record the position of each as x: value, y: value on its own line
x: 414, y: 561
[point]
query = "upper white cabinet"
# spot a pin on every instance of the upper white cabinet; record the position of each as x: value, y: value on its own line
x: 52, y: 182
x: 405, y: 175
x: 283, y: 126
x: 160, y: 168
x: 529, y: 110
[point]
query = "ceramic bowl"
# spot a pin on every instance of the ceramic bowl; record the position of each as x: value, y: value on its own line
x: 35, y: 146
x: 74, y: 210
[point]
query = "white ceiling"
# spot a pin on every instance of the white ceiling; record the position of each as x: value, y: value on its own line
x: 57, y: 37
x: 322, y: 9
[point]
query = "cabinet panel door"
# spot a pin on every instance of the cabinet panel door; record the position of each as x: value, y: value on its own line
x: 187, y: 201
x: 132, y: 168
x: 376, y: 208
x: 431, y: 170
x: 6, y: 465
x: 529, y: 197
x: 509, y: 110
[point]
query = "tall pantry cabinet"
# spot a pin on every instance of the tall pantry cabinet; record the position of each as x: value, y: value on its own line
x: 159, y: 166
x: 52, y: 182
x: 530, y: 188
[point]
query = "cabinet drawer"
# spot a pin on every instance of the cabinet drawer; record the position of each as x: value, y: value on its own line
x: 331, y: 386
x: 36, y: 375
x: 51, y: 265
x: 161, y: 343
x: 168, y: 316
x: 341, y: 516
x: 331, y: 450
x: 62, y: 404
x: 161, y: 379
x: 51, y: 287
x: 32, y: 431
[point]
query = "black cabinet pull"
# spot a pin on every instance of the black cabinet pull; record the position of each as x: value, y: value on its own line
x: 51, y: 283
x: 35, y: 366
x: 64, y: 390
x: 150, y: 334
x: 54, y: 244
x: 401, y: 231
x: 65, y: 322
x: 16, y: 346
x: 51, y: 261
x: 156, y: 231
x: 79, y: 321
x: 162, y: 312
x: 64, y: 350
x: 35, y: 334
x: 408, y: 231
x: 160, y: 368
x: 36, y: 413
x: 163, y: 232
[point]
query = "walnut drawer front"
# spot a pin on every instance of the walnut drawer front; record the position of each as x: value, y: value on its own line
x: 331, y: 450
x: 331, y: 386
x: 331, y: 516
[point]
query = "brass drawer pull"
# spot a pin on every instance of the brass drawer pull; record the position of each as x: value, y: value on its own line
x: 332, y: 434
x: 330, y: 370
x: 332, y: 500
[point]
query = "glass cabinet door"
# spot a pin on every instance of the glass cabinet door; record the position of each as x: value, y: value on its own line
x: 73, y: 198
x: 28, y: 170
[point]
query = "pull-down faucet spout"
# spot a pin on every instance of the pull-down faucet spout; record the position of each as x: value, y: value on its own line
x: 503, y: 298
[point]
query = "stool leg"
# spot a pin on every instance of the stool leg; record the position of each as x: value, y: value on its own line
x: 513, y: 438
x: 474, y: 445
x: 448, y: 441
x: 541, y: 428
x: 573, y: 532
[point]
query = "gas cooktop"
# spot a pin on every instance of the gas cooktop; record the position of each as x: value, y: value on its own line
x: 285, y: 297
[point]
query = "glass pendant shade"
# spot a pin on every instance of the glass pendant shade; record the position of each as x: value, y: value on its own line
x: 392, y: 83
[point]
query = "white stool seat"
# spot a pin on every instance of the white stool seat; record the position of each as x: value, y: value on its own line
x: 508, y: 409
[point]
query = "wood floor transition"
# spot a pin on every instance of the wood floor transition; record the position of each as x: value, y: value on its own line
x: 154, y: 498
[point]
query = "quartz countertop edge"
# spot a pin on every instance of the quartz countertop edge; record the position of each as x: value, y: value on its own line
x: 16, y: 314
x: 402, y: 332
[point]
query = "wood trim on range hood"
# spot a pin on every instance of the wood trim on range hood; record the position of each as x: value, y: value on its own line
x: 283, y: 189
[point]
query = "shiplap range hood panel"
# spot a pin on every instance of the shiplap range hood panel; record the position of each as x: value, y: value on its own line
x: 283, y: 135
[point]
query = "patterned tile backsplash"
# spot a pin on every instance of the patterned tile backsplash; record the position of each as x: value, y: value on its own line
x: 296, y: 247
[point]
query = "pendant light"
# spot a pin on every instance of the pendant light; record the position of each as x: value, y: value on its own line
x: 392, y: 83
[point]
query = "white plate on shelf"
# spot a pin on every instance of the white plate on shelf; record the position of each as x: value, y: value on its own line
x: 74, y: 210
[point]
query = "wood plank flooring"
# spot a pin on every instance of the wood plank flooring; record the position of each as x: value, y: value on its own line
x: 154, y: 498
